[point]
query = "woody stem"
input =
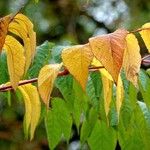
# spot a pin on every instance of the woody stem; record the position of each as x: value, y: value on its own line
x: 61, y: 73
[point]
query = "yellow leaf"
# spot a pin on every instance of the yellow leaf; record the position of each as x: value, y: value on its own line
x: 77, y: 60
x: 33, y: 43
x: 107, y: 85
x: 20, y: 17
x: 23, y: 27
x: 4, y: 23
x: 109, y: 50
x: 15, y: 60
x: 119, y: 95
x: 46, y: 80
x: 35, y: 106
x: 17, y: 29
x: 107, y: 91
x: 145, y: 35
x: 27, y: 24
x: 103, y: 71
x: 132, y: 59
x: 28, y: 109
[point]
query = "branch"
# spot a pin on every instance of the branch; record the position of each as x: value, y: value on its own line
x: 65, y: 71
x: 61, y: 73
x: 146, y: 57
x: 138, y: 30
x: 146, y: 62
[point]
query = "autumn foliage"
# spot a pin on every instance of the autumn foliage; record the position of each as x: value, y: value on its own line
x: 109, y: 54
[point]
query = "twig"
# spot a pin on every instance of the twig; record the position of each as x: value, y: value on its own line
x: 61, y: 73
x: 146, y: 61
x: 65, y: 71
x: 9, y: 87
x: 96, y: 67
x: 145, y: 57
x: 138, y: 30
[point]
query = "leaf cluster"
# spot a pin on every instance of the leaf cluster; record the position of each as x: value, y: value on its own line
x: 99, y: 84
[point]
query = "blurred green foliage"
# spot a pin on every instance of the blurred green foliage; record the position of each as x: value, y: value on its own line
x: 77, y: 20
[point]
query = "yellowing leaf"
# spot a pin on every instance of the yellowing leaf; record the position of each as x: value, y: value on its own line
x: 132, y: 59
x: 33, y: 41
x: 77, y: 60
x: 119, y: 95
x: 109, y: 50
x: 15, y: 60
x: 35, y: 106
x: 145, y: 34
x: 27, y: 24
x: 20, y: 17
x: 4, y: 22
x: 23, y: 28
x: 107, y: 91
x: 28, y: 110
x: 103, y: 71
x: 46, y: 80
x: 17, y: 29
x: 107, y: 85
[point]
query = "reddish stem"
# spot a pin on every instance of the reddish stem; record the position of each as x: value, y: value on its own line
x: 61, y: 73
x: 65, y: 71
x: 145, y: 57
x: 146, y: 61
x: 138, y: 30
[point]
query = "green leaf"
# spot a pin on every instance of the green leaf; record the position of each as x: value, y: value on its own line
x: 126, y: 113
x: 129, y: 104
x: 144, y: 85
x: 143, y: 127
x: 97, y: 82
x: 102, y: 137
x: 90, y: 90
x: 88, y: 125
x: 80, y: 103
x: 9, y: 98
x: 146, y: 112
x: 132, y: 142
x: 133, y: 95
x: 76, y: 100
x: 126, y: 128
x: 101, y: 108
x: 42, y: 57
x: 43, y: 112
x: 58, y: 123
x: 4, y: 76
x: 137, y: 135
x: 65, y: 86
x: 124, y: 80
x: 144, y: 123
x: 52, y: 129
x: 56, y: 54
x: 113, y: 116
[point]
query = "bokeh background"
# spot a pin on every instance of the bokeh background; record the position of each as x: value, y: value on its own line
x: 64, y: 22
x: 77, y: 20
